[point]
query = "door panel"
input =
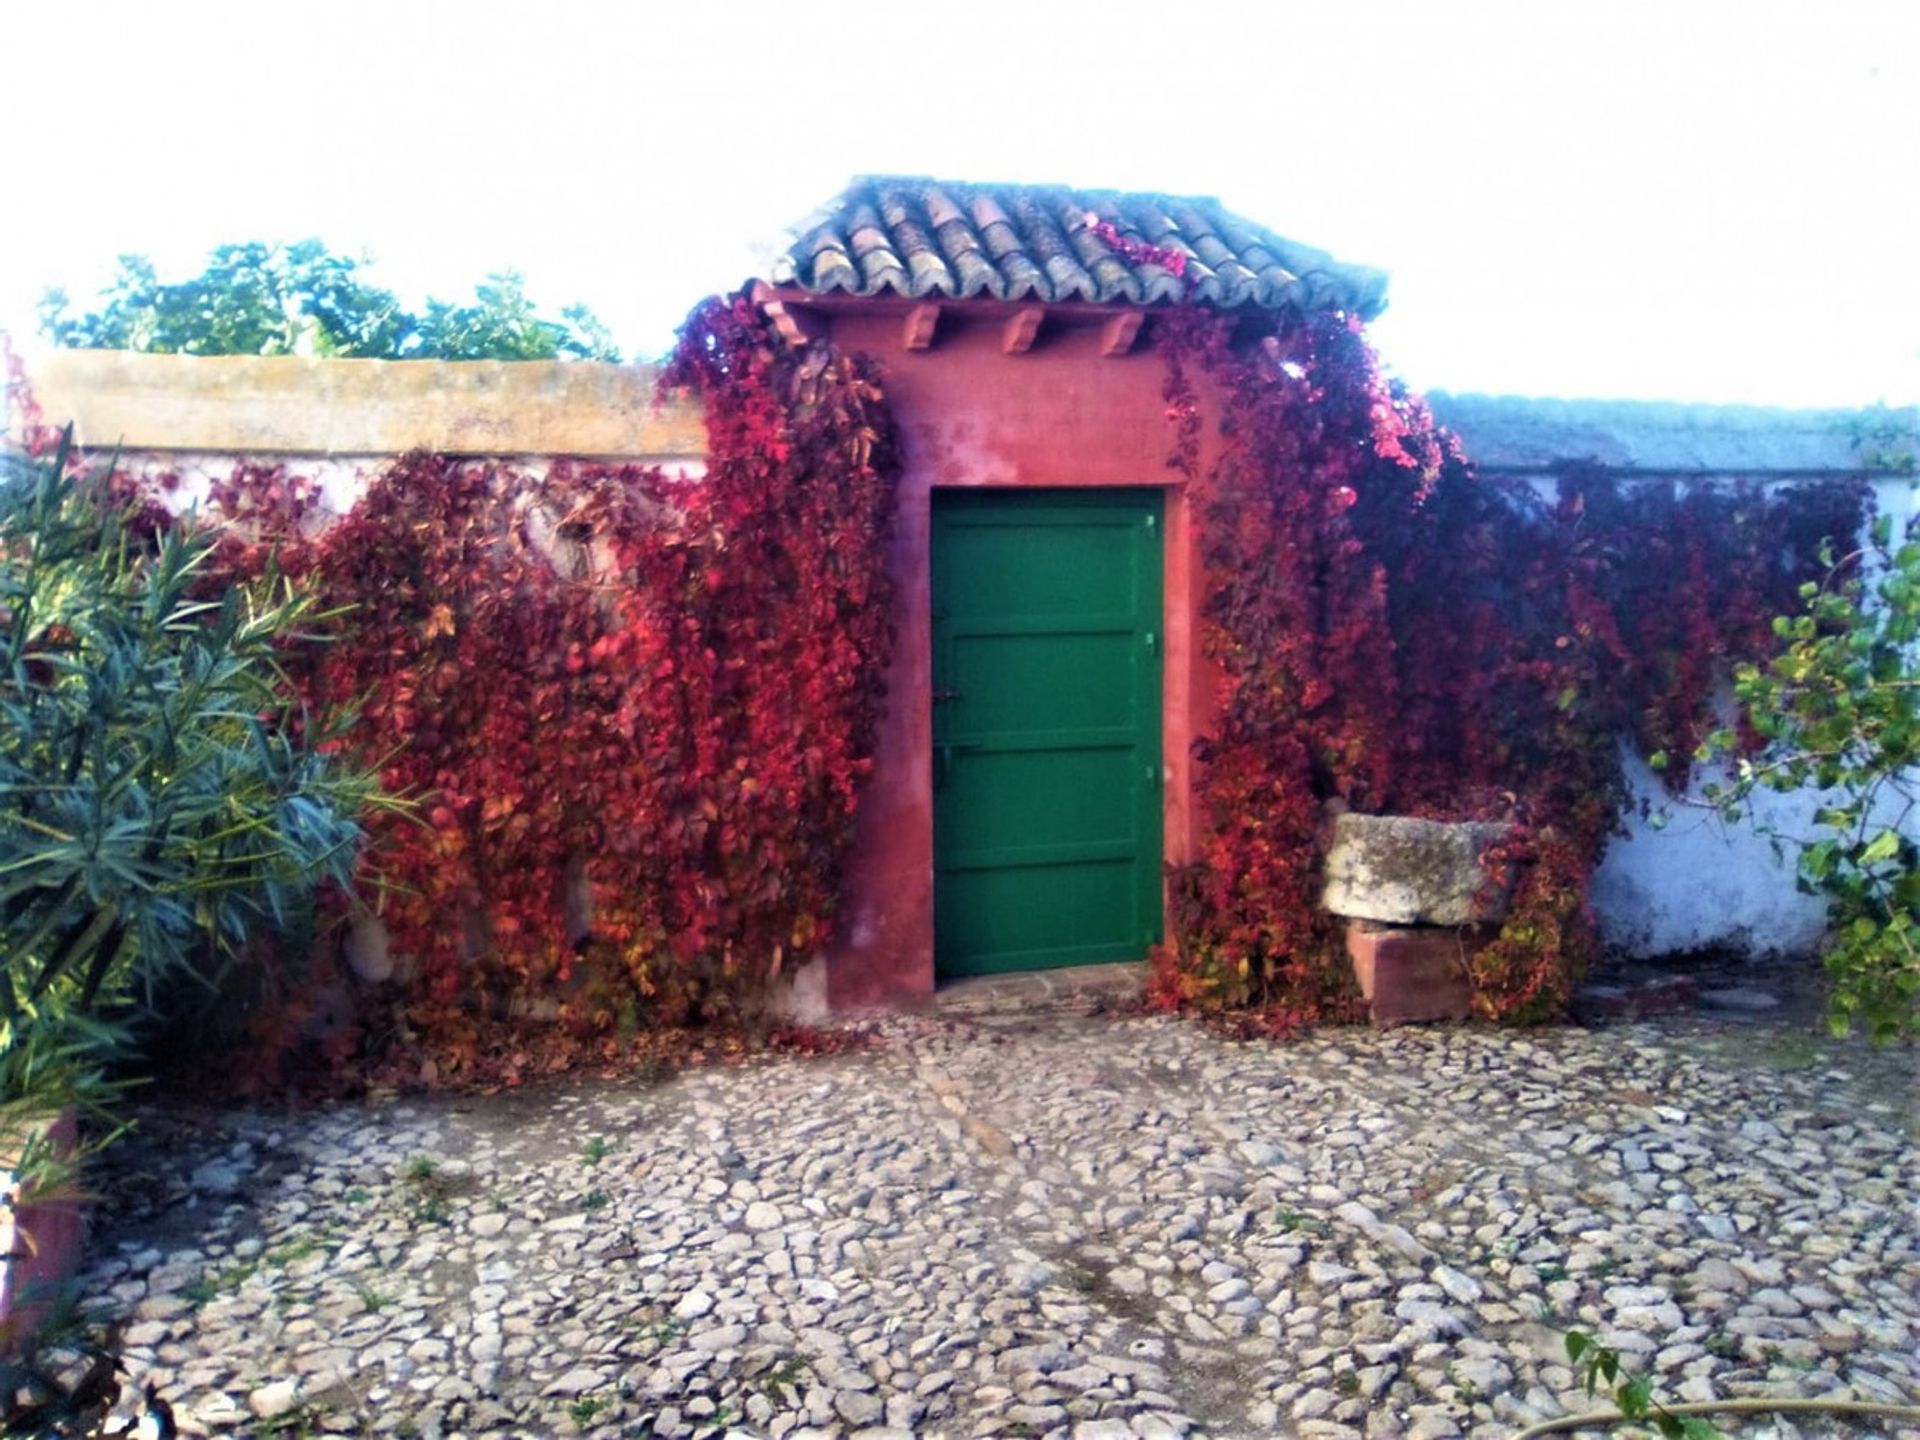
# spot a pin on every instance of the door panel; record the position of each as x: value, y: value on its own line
x: 1028, y: 685
x: 1046, y: 728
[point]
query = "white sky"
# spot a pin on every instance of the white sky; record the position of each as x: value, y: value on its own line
x: 1694, y: 201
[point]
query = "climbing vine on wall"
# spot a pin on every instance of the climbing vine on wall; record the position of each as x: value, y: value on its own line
x: 635, y: 709
x: 1395, y: 633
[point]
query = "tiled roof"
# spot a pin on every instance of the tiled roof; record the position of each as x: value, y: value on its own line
x: 924, y: 238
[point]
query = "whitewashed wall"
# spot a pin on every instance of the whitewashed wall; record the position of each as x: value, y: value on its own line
x: 1695, y: 882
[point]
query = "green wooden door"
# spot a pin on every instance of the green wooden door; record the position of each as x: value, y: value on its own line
x: 1046, y: 728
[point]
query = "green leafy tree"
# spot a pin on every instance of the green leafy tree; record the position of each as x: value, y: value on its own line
x: 161, y: 798
x: 259, y: 299
x: 502, y: 325
x: 1838, y: 709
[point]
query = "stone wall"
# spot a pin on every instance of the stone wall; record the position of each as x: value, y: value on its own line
x: 340, y: 422
x: 295, y: 405
x: 1692, y: 885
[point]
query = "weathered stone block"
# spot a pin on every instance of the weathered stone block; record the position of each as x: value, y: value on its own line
x: 1401, y: 871
x: 1410, y: 975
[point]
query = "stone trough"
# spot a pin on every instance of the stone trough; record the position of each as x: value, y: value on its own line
x: 1417, y: 898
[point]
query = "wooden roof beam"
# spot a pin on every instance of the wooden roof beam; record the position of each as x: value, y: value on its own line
x: 917, y: 330
x: 1119, y: 332
x: 797, y: 324
x: 1021, y: 329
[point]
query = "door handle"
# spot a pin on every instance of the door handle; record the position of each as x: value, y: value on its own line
x: 943, y: 696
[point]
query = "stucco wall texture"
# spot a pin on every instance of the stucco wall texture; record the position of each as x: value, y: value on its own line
x: 972, y: 415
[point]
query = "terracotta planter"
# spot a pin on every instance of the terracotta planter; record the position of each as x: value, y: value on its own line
x: 40, y: 1242
x: 1412, y: 974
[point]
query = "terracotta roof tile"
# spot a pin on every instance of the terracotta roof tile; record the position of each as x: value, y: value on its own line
x: 924, y: 238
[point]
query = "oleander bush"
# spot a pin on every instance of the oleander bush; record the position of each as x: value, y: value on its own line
x: 163, y: 794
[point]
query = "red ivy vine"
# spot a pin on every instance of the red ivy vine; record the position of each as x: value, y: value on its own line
x: 635, y: 710
x: 1395, y: 633
x: 1170, y: 258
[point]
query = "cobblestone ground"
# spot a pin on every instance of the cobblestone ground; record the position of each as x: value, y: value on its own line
x: 1059, y: 1224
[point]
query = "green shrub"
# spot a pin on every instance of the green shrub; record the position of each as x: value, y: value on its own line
x: 158, y: 793
x: 1838, y: 709
x: 161, y: 800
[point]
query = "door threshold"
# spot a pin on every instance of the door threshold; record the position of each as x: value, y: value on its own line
x: 1071, y: 987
